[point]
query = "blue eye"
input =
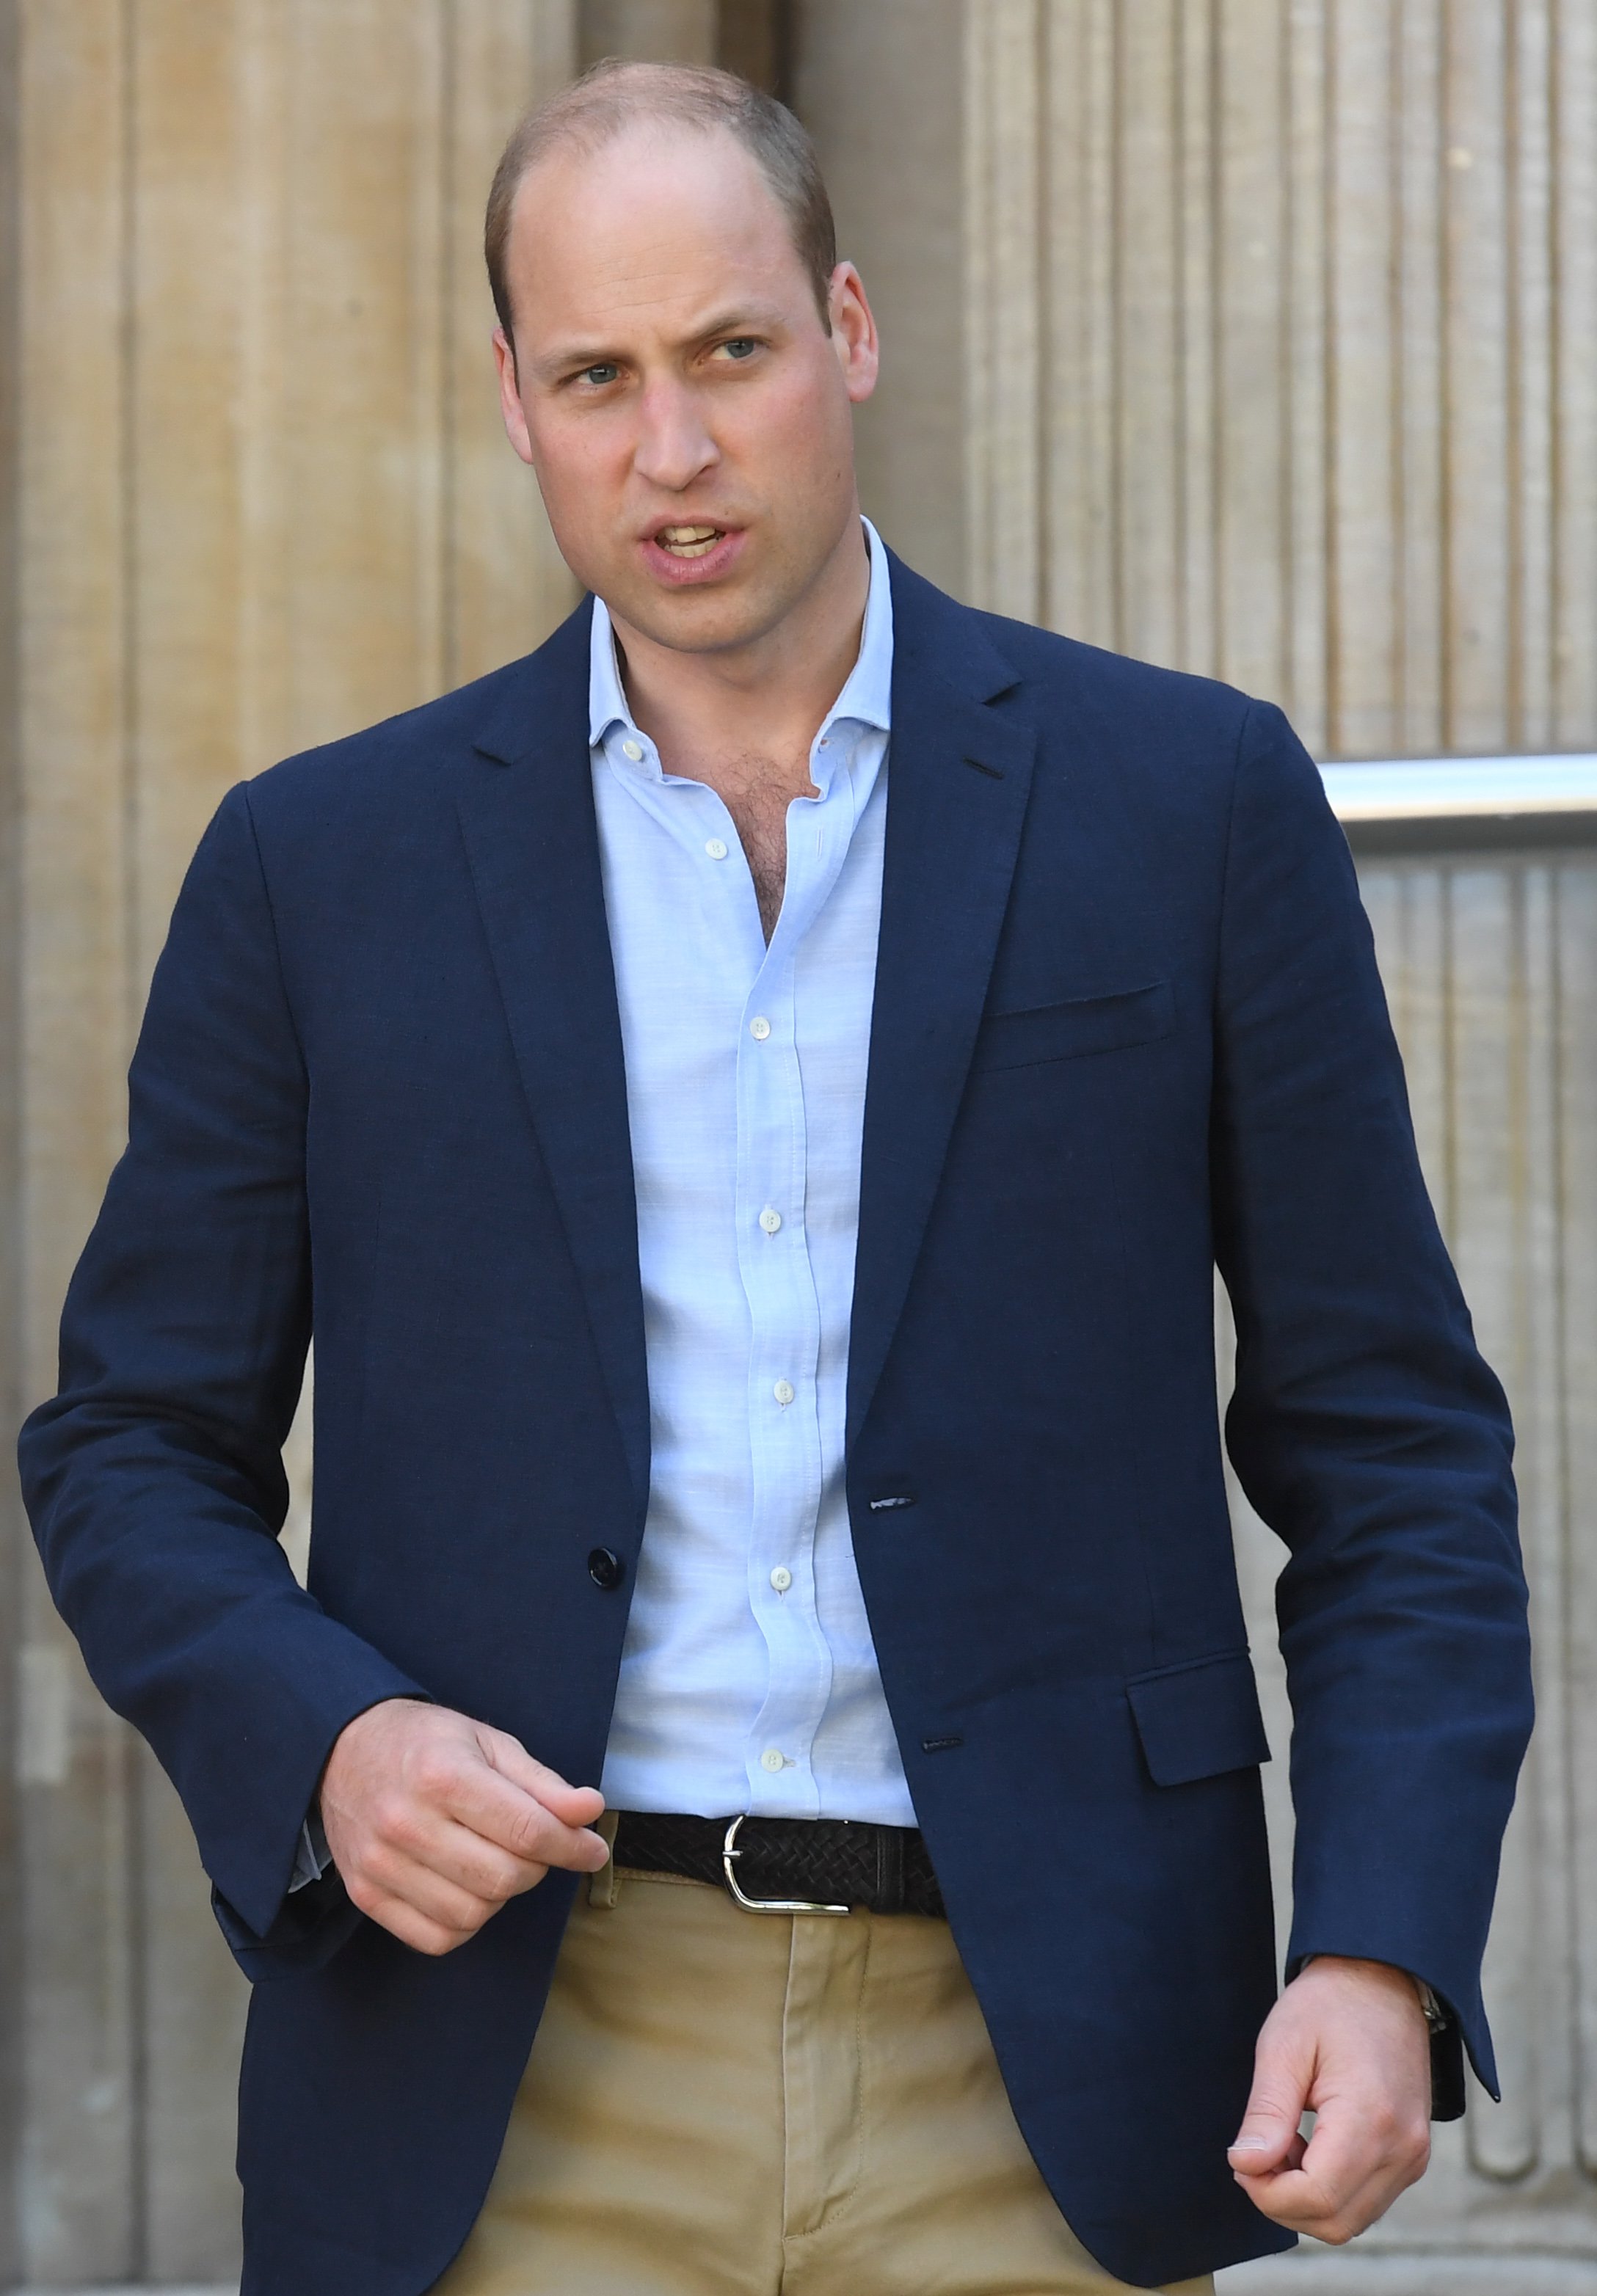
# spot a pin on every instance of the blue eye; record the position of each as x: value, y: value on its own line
x: 740, y: 346
x: 600, y: 375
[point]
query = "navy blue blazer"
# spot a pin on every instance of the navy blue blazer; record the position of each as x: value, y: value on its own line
x: 1127, y: 1025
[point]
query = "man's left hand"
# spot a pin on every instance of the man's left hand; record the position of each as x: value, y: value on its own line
x: 1347, y: 2041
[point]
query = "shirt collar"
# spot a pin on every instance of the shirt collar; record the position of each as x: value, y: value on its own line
x: 866, y: 695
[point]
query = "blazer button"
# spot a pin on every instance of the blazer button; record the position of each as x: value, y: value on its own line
x: 605, y: 1568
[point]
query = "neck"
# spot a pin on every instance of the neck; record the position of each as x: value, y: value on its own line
x: 770, y: 693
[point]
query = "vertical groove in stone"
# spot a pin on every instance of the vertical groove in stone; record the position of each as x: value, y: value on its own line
x: 123, y: 1783
x: 1576, y: 1632
x: 13, y: 1532
x: 1353, y: 242
x: 75, y: 2051
x: 1573, y: 57
x: 1533, y: 374
x: 1078, y: 399
x: 1419, y: 537
x: 1303, y: 381
x: 1003, y: 472
x: 450, y: 161
x: 1490, y: 1125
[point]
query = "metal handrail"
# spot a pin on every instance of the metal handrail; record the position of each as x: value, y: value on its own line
x: 1418, y: 790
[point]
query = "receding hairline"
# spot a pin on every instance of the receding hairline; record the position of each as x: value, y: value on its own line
x: 651, y: 126
x: 618, y: 97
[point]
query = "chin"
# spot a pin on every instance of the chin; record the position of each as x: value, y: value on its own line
x: 705, y: 622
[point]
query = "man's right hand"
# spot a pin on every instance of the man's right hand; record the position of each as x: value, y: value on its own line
x: 434, y: 1820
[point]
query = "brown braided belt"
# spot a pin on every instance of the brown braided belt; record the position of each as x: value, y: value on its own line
x: 787, y: 1865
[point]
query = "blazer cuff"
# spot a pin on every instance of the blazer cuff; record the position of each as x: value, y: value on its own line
x: 315, y: 1921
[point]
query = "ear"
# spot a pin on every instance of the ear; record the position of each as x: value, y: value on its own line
x: 510, y: 396
x: 853, y: 331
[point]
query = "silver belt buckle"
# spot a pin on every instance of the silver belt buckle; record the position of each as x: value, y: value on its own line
x: 730, y: 1854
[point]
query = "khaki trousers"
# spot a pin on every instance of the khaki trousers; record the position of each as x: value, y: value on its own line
x: 724, y: 2103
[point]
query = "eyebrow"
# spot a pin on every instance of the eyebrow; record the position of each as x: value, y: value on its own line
x: 736, y: 318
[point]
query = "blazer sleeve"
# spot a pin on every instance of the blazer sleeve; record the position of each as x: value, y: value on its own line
x: 154, y: 1480
x: 1364, y: 1427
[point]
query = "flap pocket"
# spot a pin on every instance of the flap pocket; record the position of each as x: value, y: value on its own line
x: 1199, y: 1719
x: 1085, y: 1024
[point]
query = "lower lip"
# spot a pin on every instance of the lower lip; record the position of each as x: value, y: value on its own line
x: 684, y: 573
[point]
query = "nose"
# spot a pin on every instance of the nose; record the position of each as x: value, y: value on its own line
x: 673, y: 445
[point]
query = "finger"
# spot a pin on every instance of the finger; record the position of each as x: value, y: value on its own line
x: 1286, y: 2197
x: 1334, y: 2193
x: 402, y: 1921
x: 510, y: 1815
x: 432, y: 1895
x: 456, y: 1853
x: 575, y: 1805
x: 1362, y: 2153
x: 1299, y: 2202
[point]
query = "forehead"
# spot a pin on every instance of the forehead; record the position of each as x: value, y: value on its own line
x: 660, y: 216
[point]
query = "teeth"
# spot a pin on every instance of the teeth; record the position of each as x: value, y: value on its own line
x: 688, y: 541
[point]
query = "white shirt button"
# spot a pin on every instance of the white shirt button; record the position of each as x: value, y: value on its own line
x: 633, y: 750
x: 759, y: 1028
x: 773, y: 1759
x: 781, y: 1578
x: 716, y: 847
x: 770, y: 1221
x: 784, y: 1390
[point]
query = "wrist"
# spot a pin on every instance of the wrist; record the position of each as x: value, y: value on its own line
x: 1435, y: 2016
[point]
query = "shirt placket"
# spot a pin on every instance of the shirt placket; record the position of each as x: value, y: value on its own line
x: 785, y: 1328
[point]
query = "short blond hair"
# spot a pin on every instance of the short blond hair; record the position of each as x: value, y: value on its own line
x: 614, y: 95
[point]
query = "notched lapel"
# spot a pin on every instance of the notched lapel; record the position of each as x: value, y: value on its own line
x: 957, y: 780
x: 527, y: 817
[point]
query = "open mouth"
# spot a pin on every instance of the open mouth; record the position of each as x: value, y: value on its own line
x: 688, y: 541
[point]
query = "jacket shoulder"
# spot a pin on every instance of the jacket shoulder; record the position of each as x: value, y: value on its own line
x: 1119, y: 686
x: 1044, y: 675
x: 501, y: 712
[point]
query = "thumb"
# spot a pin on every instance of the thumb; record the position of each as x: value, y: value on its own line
x: 1268, y: 2138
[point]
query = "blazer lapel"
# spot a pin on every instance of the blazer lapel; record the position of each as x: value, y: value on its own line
x: 958, y: 777
x: 526, y: 812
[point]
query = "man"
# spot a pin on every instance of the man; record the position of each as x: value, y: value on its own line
x: 750, y: 1100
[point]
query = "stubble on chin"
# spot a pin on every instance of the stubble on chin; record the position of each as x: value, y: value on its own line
x: 711, y: 620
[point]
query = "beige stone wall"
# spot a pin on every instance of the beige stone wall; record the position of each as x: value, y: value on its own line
x: 1253, y: 335
x: 1279, y: 356
x: 263, y: 498
x: 880, y: 88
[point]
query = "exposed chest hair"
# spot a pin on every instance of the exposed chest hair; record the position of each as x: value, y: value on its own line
x: 757, y: 791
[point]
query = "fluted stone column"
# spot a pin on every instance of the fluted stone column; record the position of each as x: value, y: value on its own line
x: 1277, y: 352
x: 260, y: 497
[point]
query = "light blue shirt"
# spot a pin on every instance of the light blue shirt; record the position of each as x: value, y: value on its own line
x: 748, y: 1679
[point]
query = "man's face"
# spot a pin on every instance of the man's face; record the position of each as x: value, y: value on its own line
x: 675, y: 388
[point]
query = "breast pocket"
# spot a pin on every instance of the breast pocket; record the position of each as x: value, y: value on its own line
x: 1080, y: 1025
